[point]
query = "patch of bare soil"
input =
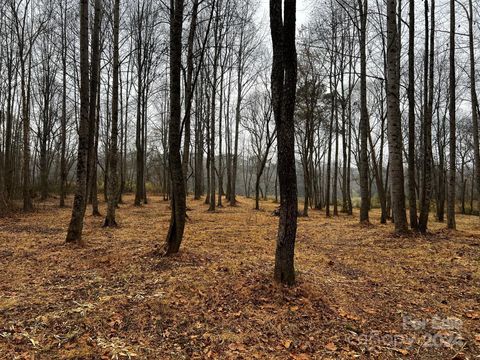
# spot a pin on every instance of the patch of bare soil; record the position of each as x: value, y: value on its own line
x: 361, y: 292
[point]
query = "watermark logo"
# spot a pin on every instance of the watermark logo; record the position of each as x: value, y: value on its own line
x: 433, y: 332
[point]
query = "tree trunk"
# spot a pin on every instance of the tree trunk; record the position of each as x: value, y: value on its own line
x: 364, y: 128
x: 94, y: 93
x: 473, y: 93
x: 79, y: 203
x: 178, y: 201
x: 138, y: 134
x: 452, y: 139
x: 112, y: 191
x: 63, y: 160
x: 189, y: 88
x: 412, y: 199
x: 233, y: 199
x: 427, y: 121
x: 284, y: 79
x: 395, y: 145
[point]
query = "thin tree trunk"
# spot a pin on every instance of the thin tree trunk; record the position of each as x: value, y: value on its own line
x: 473, y: 93
x: 452, y: 139
x: 412, y: 199
x: 233, y: 199
x: 94, y: 93
x: 189, y: 93
x: 427, y: 125
x: 112, y: 191
x: 63, y: 160
x: 364, y: 128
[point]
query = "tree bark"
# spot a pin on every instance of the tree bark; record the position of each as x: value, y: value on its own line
x: 364, y: 128
x: 452, y: 109
x: 427, y: 121
x: 412, y: 199
x: 189, y: 89
x: 63, y: 160
x: 94, y: 92
x: 178, y: 201
x: 74, y: 233
x: 395, y: 145
x: 473, y: 93
x: 283, y: 82
x: 112, y: 191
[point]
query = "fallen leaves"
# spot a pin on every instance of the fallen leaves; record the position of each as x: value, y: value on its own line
x: 237, y: 347
x: 331, y: 346
x: 115, y: 299
x: 474, y: 315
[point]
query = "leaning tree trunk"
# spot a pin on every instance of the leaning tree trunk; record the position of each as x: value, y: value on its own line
x: 112, y: 191
x: 178, y: 201
x: 395, y: 145
x: 283, y: 82
x: 79, y: 202
x: 189, y: 91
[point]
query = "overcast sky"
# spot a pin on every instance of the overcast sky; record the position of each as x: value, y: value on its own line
x: 303, y: 10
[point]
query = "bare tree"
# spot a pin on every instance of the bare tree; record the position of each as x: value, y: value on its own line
x: 452, y: 138
x: 395, y: 145
x: 283, y: 82
x: 178, y: 201
x: 112, y: 191
x: 74, y: 233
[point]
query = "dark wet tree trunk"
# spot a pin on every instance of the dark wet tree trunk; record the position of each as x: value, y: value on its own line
x: 139, y: 191
x: 283, y: 82
x: 364, y: 128
x: 178, y: 200
x: 412, y: 199
x: 473, y: 93
x: 63, y: 131
x: 233, y: 193
x: 452, y: 138
x: 112, y: 191
x: 25, y: 77
x: 94, y: 168
x: 395, y: 143
x: 79, y: 203
x: 94, y: 104
x: 199, y: 143
x: 427, y: 121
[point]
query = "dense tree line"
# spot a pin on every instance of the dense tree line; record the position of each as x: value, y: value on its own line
x: 378, y: 109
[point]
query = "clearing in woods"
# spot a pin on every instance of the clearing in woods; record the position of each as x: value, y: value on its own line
x: 361, y: 291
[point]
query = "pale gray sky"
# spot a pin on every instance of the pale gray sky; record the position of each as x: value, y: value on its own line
x: 303, y: 10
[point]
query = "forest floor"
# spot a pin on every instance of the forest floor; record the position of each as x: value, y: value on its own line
x: 361, y: 292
